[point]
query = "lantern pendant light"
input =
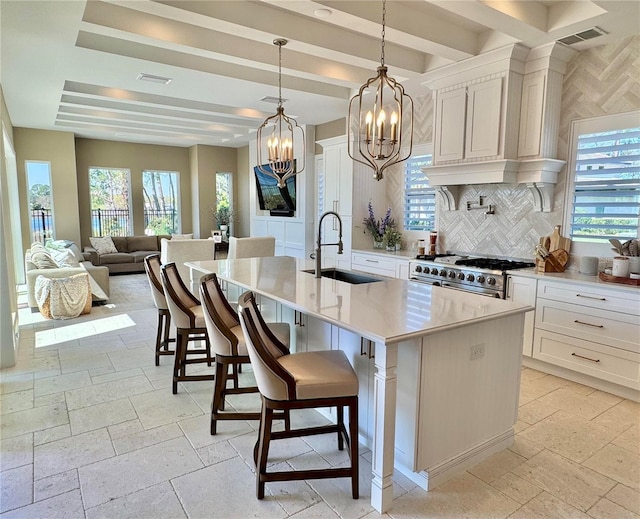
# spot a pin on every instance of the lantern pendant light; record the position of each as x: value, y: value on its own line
x: 374, y: 140
x: 276, y: 150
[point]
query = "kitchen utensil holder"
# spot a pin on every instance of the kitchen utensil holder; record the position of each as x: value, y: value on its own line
x: 490, y: 209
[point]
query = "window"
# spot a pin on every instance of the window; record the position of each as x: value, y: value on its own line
x: 224, y: 197
x: 40, y: 200
x: 419, y: 198
x: 110, y: 203
x: 605, y: 189
x: 161, y: 202
x: 320, y: 191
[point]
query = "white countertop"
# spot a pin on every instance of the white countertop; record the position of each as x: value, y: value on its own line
x: 573, y: 277
x: 389, y: 310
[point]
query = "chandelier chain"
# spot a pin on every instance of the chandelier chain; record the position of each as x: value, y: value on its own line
x: 384, y: 16
x: 280, y: 75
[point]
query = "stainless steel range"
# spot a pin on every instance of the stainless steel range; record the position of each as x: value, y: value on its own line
x: 485, y: 276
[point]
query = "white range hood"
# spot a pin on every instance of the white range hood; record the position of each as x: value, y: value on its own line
x: 496, y: 122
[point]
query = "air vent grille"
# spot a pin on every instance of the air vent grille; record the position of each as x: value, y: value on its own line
x: 154, y: 79
x: 594, y: 32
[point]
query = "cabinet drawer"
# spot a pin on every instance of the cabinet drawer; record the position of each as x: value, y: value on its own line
x: 373, y: 264
x: 611, y: 328
x: 612, y: 364
x: 594, y: 296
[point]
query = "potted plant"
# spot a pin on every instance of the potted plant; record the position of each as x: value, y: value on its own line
x: 378, y: 227
x: 391, y: 239
x: 223, y: 216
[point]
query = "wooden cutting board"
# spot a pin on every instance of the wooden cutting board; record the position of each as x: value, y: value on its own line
x: 555, y: 241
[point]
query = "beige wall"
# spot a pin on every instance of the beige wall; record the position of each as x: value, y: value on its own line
x: 8, y: 296
x: 57, y: 148
x: 243, y: 184
x: 135, y: 158
x: 206, y: 161
x: 328, y: 130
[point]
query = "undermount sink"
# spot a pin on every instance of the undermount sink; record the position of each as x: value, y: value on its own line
x: 344, y: 275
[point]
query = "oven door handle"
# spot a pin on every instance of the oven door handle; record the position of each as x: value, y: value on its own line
x: 495, y: 296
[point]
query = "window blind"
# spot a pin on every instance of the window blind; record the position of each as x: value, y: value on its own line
x: 419, y: 198
x: 606, y: 198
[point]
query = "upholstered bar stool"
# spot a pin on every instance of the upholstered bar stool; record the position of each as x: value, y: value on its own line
x: 227, y: 341
x: 152, y: 267
x: 186, y: 314
x: 299, y: 381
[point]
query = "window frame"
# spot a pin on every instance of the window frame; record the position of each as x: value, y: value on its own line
x: 130, y: 226
x: 418, y: 151
x: 178, y: 202
x: 603, y: 123
x: 51, y: 200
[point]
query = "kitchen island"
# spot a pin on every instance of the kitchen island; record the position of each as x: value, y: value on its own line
x: 439, y: 369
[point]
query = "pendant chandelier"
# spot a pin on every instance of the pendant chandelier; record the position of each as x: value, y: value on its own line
x: 276, y: 149
x: 373, y: 140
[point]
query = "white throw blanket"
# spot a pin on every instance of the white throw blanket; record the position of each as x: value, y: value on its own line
x: 66, y: 297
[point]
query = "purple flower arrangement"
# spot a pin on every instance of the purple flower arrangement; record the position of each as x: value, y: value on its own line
x: 378, y: 227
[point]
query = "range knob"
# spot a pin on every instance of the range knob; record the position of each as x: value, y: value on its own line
x: 418, y: 268
x: 470, y: 277
x: 452, y: 274
x: 460, y: 275
x: 443, y: 273
x: 491, y: 281
x: 480, y: 279
x: 434, y: 271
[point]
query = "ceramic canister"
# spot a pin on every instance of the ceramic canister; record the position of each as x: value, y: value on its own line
x: 589, y: 265
x: 620, y: 267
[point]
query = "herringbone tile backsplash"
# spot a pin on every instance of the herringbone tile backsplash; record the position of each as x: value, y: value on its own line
x: 599, y: 81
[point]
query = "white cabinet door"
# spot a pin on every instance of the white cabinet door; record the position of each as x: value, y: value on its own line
x: 483, y: 119
x: 531, y: 112
x: 450, y: 124
x: 402, y: 269
x: 523, y: 290
x: 338, y: 179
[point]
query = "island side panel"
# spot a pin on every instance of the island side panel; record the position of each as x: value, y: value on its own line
x: 469, y: 395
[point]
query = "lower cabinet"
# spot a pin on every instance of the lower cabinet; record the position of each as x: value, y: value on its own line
x: 589, y: 329
x: 383, y: 265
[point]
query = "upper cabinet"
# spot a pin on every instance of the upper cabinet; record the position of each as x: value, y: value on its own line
x: 338, y: 176
x: 468, y: 121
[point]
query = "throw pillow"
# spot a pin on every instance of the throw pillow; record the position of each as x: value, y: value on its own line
x: 43, y: 260
x: 182, y: 236
x: 103, y: 245
x: 65, y: 258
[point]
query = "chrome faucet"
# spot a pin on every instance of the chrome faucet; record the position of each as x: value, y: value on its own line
x: 318, y: 253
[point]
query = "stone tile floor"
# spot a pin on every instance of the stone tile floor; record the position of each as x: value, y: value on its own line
x: 89, y: 428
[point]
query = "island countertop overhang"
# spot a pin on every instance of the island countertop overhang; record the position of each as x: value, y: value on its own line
x: 389, y: 311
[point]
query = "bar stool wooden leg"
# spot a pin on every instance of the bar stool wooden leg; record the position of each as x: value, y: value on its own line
x: 353, y: 448
x: 263, y: 448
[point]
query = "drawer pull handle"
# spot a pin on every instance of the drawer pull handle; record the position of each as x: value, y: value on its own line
x: 372, y: 261
x: 591, y: 297
x: 585, y: 358
x: 589, y: 324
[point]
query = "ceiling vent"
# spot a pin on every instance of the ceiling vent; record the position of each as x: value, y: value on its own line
x: 271, y: 99
x: 154, y: 79
x: 594, y: 32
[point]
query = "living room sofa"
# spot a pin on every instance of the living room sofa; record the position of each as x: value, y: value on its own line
x: 98, y: 278
x: 131, y: 253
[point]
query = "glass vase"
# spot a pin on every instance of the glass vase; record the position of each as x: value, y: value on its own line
x: 378, y: 244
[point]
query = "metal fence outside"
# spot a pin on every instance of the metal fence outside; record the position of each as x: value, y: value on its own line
x: 116, y: 222
x: 41, y: 225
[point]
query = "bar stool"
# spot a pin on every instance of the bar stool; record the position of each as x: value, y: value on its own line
x: 152, y: 266
x: 299, y: 381
x: 227, y: 340
x: 186, y: 313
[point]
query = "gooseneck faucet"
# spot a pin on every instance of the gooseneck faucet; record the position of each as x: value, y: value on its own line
x: 318, y: 254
